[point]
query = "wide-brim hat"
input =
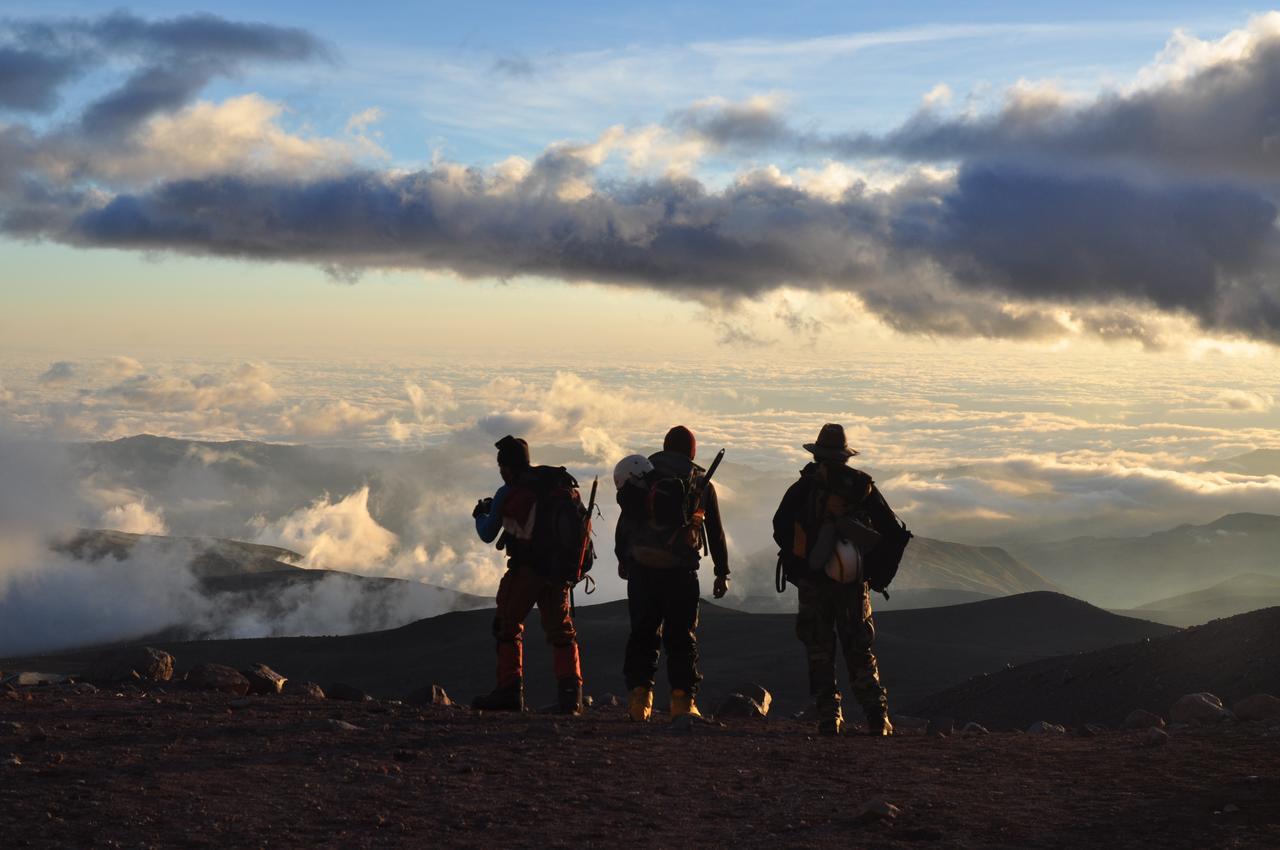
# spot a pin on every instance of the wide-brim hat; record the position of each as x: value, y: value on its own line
x: 831, y: 443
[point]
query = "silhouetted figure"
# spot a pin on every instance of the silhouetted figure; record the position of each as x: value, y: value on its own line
x: 530, y: 579
x: 837, y: 538
x: 669, y: 513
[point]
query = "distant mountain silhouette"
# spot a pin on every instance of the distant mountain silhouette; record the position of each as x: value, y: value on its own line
x: 1232, y: 658
x: 1125, y: 572
x: 1236, y: 595
x: 1257, y: 462
x: 933, y: 573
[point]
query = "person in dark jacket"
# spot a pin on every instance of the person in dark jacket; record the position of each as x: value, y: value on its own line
x: 658, y: 555
x: 510, y: 511
x: 830, y: 502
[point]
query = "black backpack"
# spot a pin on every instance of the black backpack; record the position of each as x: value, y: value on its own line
x: 659, y: 508
x: 557, y: 548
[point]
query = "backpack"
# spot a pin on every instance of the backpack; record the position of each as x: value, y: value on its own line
x: 833, y: 513
x: 543, y: 523
x: 658, y: 509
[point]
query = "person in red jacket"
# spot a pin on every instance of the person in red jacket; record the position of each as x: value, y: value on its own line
x: 511, y: 511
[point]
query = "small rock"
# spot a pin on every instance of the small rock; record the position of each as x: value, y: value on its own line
x: 608, y: 700
x: 13, y: 761
x: 132, y: 663
x: 263, y: 680
x: 83, y: 689
x: 873, y: 810
x: 30, y: 680
x: 293, y: 687
x: 740, y: 706
x: 757, y: 693
x: 430, y: 695
x: 1198, y: 708
x: 1089, y: 730
x: 1258, y: 707
x: 974, y: 729
x: 1230, y: 809
x: 1155, y: 737
x: 346, y: 693
x: 1044, y: 727
x: 1142, y: 719
x: 344, y: 725
x: 217, y: 677
x: 940, y: 727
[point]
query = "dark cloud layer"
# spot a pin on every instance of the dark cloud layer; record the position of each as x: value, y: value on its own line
x: 1159, y: 199
x: 177, y: 58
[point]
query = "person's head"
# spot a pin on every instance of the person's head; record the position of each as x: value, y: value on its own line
x: 831, y: 445
x: 681, y: 441
x: 513, y: 456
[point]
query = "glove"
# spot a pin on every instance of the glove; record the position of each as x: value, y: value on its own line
x: 482, y: 508
x: 721, y: 587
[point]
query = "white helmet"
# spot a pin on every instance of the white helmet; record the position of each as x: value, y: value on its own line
x: 630, y: 468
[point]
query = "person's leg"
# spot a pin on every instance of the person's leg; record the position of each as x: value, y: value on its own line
x: 644, y: 604
x: 857, y: 635
x: 815, y: 627
x: 516, y: 597
x: 557, y: 624
x: 680, y: 607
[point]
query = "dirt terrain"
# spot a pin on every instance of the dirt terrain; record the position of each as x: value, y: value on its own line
x: 1232, y: 658
x: 921, y: 651
x: 165, y: 767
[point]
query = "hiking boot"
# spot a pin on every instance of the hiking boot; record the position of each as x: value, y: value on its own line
x: 570, y: 696
x: 682, y: 703
x: 640, y: 704
x: 879, y: 726
x: 502, y: 698
x: 832, y: 724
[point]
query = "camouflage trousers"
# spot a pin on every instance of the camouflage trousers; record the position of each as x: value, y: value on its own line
x: 829, y: 612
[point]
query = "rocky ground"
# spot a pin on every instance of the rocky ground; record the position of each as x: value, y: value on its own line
x: 158, y: 765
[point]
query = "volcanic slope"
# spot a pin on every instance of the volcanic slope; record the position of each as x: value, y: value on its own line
x: 1124, y: 572
x: 1237, y: 595
x: 920, y: 651
x: 1232, y: 658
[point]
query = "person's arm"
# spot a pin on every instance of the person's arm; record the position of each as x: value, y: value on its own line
x: 884, y: 519
x: 714, y: 529
x: 488, y: 525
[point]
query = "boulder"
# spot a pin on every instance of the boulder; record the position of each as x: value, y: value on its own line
x: 430, y: 695
x: 1155, y: 737
x: 295, y: 687
x: 1258, y: 707
x: 972, y: 728
x: 739, y: 705
x: 217, y: 677
x: 346, y: 693
x: 1198, y: 708
x: 135, y: 662
x: 1044, y: 727
x: 1142, y: 719
x: 263, y: 680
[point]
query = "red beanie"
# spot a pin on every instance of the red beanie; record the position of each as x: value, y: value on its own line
x: 680, y: 439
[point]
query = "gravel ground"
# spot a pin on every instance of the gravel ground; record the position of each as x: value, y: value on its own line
x: 166, y: 767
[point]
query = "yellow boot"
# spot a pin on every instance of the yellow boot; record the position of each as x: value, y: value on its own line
x: 682, y: 703
x: 640, y: 704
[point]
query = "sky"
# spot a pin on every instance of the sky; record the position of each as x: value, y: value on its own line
x: 1026, y: 252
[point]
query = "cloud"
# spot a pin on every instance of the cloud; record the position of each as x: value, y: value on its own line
x: 244, y: 387
x: 337, y: 535
x: 29, y: 80
x: 61, y: 372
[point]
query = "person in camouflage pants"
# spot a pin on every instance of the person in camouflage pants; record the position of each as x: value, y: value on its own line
x: 831, y: 612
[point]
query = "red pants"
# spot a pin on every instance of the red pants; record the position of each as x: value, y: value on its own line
x: 520, y: 589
